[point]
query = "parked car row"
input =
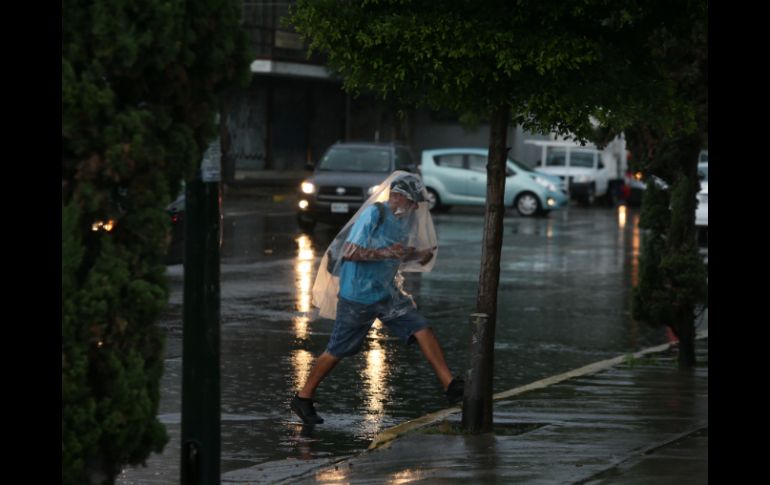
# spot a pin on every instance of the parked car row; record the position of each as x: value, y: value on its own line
x: 348, y: 173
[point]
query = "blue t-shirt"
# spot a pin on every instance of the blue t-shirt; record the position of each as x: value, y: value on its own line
x: 371, y: 281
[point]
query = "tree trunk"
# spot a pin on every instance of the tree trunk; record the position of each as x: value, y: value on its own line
x: 489, y: 275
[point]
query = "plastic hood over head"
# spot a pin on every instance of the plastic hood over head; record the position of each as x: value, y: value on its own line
x: 390, y: 234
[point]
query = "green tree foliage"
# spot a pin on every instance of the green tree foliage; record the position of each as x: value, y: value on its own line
x: 140, y: 84
x: 551, y: 62
x: 672, y: 276
x: 666, y: 134
x: 556, y: 64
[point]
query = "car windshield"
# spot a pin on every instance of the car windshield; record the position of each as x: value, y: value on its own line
x: 557, y: 158
x: 582, y: 159
x: 352, y: 159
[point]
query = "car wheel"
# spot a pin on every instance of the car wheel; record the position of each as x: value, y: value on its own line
x: 305, y: 225
x: 527, y: 204
x: 434, y: 202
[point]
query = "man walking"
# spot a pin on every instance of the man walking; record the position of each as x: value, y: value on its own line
x: 380, y: 241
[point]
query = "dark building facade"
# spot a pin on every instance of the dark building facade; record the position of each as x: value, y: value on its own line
x: 294, y: 109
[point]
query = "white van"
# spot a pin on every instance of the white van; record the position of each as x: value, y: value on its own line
x: 587, y: 172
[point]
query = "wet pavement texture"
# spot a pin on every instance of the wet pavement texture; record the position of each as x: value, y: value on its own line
x: 640, y: 422
x: 564, y: 299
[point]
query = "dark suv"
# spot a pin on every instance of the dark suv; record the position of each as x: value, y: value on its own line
x: 345, y: 177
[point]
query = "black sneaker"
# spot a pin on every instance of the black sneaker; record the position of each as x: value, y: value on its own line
x: 303, y: 408
x: 454, y: 393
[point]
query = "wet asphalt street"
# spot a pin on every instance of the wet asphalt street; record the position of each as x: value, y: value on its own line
x: 563, y: 303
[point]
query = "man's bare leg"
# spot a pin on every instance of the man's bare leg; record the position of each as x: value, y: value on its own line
x: 323, y: 365
x: 431, y: 349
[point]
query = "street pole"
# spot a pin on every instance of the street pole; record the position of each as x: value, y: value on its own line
x: 200, y: 352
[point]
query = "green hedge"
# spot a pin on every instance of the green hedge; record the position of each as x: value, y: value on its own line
x: 140, y: 86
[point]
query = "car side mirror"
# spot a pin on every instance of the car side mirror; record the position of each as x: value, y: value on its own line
x: 601, y: 165
x: 509, y: 172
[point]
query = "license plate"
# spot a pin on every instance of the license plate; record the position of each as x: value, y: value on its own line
x: 340, y: 208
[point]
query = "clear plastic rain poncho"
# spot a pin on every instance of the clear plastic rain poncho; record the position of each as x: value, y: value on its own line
x: 387, y: 236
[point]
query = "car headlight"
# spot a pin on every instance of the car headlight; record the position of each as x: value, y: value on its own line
x: 372, y: 189
x: 546, y: 183
x: 308, y: 187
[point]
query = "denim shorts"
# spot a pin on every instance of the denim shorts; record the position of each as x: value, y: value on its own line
x: 355, y: 319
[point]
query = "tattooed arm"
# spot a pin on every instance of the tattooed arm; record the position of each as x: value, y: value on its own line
x: 354, y: 252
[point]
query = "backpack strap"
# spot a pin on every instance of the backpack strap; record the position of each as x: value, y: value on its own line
x: 333, y: 252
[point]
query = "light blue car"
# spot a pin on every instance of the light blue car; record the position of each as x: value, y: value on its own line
x: 458, y: 176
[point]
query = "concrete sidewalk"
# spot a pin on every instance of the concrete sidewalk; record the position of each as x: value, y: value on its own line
x: 628, y: 420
